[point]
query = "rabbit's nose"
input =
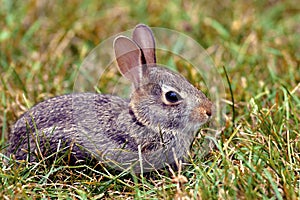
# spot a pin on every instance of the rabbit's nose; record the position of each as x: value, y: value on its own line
x: 208, y: 108
x: 203, y: 112
x: 208, y: 112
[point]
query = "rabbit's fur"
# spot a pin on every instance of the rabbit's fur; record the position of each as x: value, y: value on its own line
x: 122, y: 132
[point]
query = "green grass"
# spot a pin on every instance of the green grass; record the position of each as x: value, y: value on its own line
x: 258, y: 153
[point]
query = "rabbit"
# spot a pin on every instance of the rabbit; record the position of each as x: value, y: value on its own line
x: 153, y: 128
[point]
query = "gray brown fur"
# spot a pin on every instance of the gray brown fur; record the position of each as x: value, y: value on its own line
x: 113, y: 129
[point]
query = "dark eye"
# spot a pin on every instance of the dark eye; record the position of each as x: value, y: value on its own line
x: 172, y: 97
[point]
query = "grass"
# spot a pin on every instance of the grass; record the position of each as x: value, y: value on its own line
x: 257, y: 156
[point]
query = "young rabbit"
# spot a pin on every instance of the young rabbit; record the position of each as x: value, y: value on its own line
x: 154, y: 127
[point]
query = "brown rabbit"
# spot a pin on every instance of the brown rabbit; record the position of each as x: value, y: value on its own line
x: 154, y: 127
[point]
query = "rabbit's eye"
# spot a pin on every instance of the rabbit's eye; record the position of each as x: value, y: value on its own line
x: 173, y: 97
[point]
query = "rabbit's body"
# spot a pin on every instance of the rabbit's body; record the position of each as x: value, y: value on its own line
x: 82, y: 127
x: 156, y: 125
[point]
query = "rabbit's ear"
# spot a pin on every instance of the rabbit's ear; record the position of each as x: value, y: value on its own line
x: 143, y: 36
x: 129, y: 59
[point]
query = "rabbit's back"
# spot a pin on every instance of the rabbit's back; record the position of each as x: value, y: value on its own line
x: 87, y: 119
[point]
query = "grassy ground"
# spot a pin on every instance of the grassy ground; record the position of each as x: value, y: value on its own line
x: 257, y: 155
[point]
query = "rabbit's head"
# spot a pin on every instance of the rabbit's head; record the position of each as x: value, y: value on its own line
x: 162, y: 99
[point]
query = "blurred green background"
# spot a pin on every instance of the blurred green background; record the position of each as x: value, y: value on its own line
x: 42, y: 44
